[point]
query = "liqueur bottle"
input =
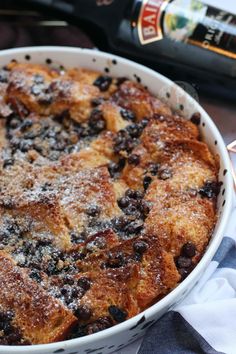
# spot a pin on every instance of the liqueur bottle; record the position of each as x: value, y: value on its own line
x: 177, y: 37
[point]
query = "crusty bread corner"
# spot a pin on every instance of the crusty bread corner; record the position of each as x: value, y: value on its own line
x: 41, y: 318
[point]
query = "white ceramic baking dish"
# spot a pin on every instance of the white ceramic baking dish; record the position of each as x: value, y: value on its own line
x: 120, y: 335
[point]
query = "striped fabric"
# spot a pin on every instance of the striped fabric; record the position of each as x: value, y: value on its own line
x: 205, y: 322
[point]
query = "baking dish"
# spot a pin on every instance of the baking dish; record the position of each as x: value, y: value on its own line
x: 120, y: 335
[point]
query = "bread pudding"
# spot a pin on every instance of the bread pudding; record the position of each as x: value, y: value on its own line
x: 107, y: 201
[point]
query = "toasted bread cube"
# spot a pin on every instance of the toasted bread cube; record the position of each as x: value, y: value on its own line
x: 40, y: 317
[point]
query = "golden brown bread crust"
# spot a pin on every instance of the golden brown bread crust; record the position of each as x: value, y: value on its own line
x: 58, y: 94
x: 136, y: 98
x: 107, y: 199
x: 40, y: 317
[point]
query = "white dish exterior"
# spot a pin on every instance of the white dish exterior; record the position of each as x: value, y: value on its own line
x: 122, y: 334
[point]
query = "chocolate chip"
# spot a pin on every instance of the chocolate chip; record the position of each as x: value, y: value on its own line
x: 93, y: 210
x: 153, y: 168
x: 71, y: 293
x: 140, y: 246
x: 165, y: 173
x: 46, y: 186
x: 83, y: 312
x: 4, y: 76
x: 78, y: 237
x: 35, y: 275
x: 14, y: 122
x: 137, y: 257
x: 189, y: 250
x: 103, y: 83
x: 127, y: 114
x: 8, y: 162
x: 68, y: 279
x: 159, y: 117
x: 196, y: 118
x: 38, y: 79
x: 27, y: 123
x: 6, y: 316
x: 100, y: 324
x: 184, y: 272
x: 183, y: 262
x: 123, y: 142
x: 121, y: 80
x: 120, y: 223
x: 210, y: 189
x: 97, y: 101
x: 135, y: 130
x: 123, y: 202
x: 85, y: 283
x: 144, y: 208
x: 144, y: 122
x: 132, y: 209
x: 14, y: 337
x: 96, y: 121
x: 134, y: 227
x: 146, y: 182
x: 115, y: 168
x: 45, y: 99
x: 134, y: 159
x: 117, y: 314
x: 36, y: 90
x: 115, y: 260
x: 133, y: 194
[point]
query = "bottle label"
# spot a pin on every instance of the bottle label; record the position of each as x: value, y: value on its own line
x: 188, y: 21
x: 149, y: 23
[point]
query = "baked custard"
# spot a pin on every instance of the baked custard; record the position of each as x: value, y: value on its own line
x: 107, y: 201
